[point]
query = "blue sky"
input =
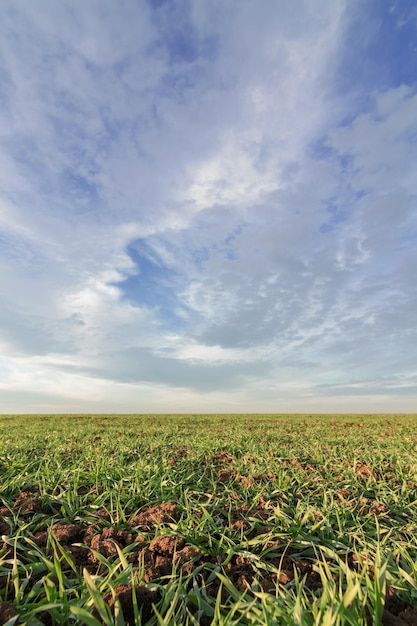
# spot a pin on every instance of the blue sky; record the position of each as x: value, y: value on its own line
x: 208, y: 206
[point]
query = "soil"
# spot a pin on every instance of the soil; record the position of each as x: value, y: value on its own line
x: 364, y: 472
x: 7, y: 611
x: 397, y: 612
x: 168, y: 553
x: 408, y: 617
x: 5, y: 528
x: 154, y: 515
x: 221, y: 457
x: 145, y: 598
x: 29, y: 502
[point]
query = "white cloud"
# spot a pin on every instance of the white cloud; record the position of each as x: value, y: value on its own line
x: 279, y: 238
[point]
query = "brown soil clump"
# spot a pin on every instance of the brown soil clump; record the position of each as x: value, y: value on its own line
x: 181, y: 454
x: 7, y: 611
x: 225, y: 476
x: 166, y: 546
x: 162, y: 555
x: 105, y: 542
x: 5, y: 528
x: 103, y: 514
x: 152, y: 516
x: 344, y: 494
x: 145, y: 598
x: 186, y: 558
x: 393, y: 602
x: 67, y: 533
x: 64, y: 533
x: 396, y: 612
x: 377, y: 508
x: 246, y: 481
x: 28, y: 502
x: 240, y: 524
x: 363, y: 471
x: 222, y: 457
x: 409, y: 615
x: 240, y: 572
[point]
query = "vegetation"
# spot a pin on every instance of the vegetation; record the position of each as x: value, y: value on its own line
x: 208, y: 519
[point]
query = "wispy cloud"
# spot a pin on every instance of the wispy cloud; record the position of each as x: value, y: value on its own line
x: 207, y: 206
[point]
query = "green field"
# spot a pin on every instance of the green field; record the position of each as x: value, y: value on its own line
x: 208, y: 519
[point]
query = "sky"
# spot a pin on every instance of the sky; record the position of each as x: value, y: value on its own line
x: 208, y: 206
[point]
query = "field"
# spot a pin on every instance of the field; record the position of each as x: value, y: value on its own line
x: 208, y: 519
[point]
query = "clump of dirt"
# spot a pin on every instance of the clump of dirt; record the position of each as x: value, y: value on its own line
x: 409, y: 615
x: 344, y: 494
x: 294, y: 462
x: 269, y: 504
x: 5, y: 528
x: 240, y: 524
x: 164, y: 553
x: 28, y: 502
x: 377, y: 508
x: 225, y: 476
x: 152, y: 516
x: 248, y: 481
x: 363, y: 472
x: 396, y: 612
x: 177, y: 455
x: 107, y: 541
x: 374, y: 507
x: 181, y: 453
x: 7, y: 611
x: 222, y: 457
x: 393, y: 602
x: 166, y: 546
x: 145, y: 598
x: 103, y: 514
x: 240, y: 572
x: 104, y: 542
x: 64, y: 533
x: 187, y: 557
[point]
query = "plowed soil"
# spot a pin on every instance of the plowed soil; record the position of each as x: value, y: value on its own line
x: 167, y: 553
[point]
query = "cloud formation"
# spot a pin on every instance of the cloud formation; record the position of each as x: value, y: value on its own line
x: 207, y: 207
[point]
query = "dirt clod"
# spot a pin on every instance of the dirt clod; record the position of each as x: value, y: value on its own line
x: 106, y: 543
x: 389, y: 619
x: 344, y: 493
x: 7, y: 611
x: 187, y: 554
x: 64, y: 533
x: 28, y: 502
x: 67, y: 533
x: 224, y: 476
x: 144, y: 600
x: 364, y: 471
x: 222, y: 457
x: 246, y: 481
x: 166, y: 545
x: 152, y: 516
x: 409, y: 615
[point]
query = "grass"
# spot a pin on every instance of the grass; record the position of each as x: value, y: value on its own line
x: 208, y: 519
